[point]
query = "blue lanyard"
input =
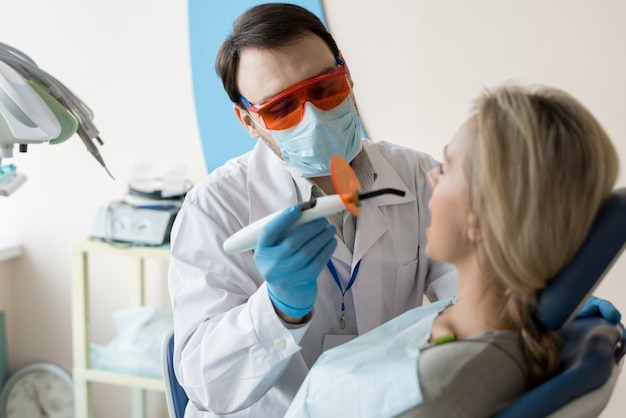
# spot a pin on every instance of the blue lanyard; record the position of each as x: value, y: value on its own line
x: 333, y: 272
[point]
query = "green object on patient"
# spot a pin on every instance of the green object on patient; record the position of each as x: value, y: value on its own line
x: 445, y: 339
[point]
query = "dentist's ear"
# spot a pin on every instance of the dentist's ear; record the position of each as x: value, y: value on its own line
x: 347, y: 69
x: 246, y: 120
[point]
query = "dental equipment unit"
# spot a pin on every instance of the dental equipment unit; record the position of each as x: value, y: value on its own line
x: 35, y: 108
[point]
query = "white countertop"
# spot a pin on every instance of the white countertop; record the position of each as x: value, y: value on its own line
x: 9, y: 250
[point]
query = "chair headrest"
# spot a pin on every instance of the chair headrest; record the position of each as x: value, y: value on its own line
x: 561, y: 299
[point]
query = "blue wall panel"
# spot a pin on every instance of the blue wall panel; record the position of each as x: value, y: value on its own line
x: 210, y: 22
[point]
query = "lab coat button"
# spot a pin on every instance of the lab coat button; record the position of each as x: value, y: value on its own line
x: 280, y: 343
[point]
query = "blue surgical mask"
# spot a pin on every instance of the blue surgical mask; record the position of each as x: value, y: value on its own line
x: 307, y: 147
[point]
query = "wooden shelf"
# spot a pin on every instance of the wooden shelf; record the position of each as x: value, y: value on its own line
x: 119, y: 379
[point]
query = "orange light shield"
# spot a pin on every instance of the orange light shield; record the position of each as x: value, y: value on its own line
x: 346, y: 183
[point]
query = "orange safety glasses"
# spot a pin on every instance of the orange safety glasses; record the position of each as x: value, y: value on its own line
x: 286, y: 110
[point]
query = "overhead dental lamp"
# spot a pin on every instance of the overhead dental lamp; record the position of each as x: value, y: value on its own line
x: 36, y: 108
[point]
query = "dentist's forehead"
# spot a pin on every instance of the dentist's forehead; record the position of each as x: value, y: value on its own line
x: 264, y: 73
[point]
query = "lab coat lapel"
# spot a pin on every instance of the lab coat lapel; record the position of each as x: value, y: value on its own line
x: 343, y: 254
x: 270, y: 186
x: 372, y: 223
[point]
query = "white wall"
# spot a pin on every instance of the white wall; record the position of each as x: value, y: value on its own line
x: 416, y: 64
x: 129, y: 62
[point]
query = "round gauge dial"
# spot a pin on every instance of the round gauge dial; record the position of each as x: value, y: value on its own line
x: 39, y: 390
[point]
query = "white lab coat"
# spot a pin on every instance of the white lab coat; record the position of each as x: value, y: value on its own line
x: 233, y: 353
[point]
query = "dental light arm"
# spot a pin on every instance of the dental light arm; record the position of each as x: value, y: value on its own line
x: 35, y: 108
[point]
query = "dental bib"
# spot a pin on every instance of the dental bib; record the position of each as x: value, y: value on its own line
x: 374, y: 375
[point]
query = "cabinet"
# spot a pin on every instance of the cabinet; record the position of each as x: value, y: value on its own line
x: 83, y: 374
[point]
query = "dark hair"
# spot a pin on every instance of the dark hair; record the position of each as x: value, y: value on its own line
x: 266, y: 26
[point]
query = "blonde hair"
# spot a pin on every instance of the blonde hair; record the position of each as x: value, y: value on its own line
x: 541, y: 168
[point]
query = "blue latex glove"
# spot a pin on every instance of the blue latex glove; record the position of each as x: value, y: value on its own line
x: 600, y: 307
x: 290, y: 262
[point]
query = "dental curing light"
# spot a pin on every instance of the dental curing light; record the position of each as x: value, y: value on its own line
x: 348, y: 197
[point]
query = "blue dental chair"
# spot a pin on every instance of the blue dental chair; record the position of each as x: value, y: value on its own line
x: 175, y: 396
x: 592, y: 351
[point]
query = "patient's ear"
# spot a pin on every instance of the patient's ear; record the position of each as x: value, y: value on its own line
x: 474, y: 234
x: 246, y: 120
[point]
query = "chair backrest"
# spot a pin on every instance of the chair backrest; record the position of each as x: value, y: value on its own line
x: 175, y: 396
x: 592, y: 349
x: 568, y: 290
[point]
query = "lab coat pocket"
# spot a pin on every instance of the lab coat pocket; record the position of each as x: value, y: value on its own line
x: 407, y: 287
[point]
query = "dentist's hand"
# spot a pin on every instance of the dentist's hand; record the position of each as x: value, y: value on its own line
x: 290, y: 262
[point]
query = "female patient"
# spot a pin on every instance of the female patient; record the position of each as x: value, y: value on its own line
x: 520, y: 185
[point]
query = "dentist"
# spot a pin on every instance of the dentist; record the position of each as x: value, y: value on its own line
x: 248, y: 327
